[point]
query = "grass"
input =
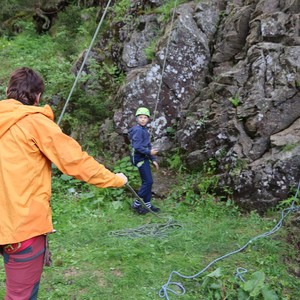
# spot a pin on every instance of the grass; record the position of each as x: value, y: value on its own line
x: 89, y: 263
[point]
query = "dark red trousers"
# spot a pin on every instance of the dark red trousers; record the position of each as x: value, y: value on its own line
x: 23, y: 271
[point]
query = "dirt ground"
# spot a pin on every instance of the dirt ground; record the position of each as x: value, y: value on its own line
x: 164, y: 181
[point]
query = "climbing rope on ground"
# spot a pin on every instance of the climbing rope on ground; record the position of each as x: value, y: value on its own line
x: 165, y: 289
x: 149, y: 230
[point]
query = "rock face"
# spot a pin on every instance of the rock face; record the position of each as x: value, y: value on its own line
x: 184, y: 49
x: 225, y: 81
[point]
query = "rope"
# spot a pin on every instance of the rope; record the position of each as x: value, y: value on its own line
x: 164, y: 65
x: 149, y: 230
x: 152, y: 230
x: 165, y: 289
x: 83, y: 63
x: 140, y: 199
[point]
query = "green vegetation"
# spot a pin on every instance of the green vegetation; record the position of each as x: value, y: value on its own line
x: 202, y: 121
x: 120, y: 10
x: 235, y: 101
x: 150, y: 51
x: 40, y: 53
x: 88, y: 263
x: 54, y: 54
x: 289, y: 147
x: 175, y: 162
x: 166, y: 9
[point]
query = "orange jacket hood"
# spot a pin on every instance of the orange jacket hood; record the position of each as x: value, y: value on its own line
x: 13, y: 111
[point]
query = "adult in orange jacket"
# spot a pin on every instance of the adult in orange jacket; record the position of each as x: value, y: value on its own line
x: 29, y: 142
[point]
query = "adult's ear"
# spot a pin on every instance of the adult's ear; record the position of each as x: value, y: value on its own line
x: 37, y: 99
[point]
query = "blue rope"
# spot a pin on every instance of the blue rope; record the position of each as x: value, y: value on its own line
x: 239, y: 272
x: 165, y: 289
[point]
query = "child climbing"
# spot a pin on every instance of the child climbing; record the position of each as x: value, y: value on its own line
x: 142, y: 154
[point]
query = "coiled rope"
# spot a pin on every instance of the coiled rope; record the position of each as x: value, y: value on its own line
x: 165, y: 289
x: 150, y: 230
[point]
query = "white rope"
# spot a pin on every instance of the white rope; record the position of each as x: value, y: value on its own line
x: 83, y: 63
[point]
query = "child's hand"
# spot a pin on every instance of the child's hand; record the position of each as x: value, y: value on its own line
x: 156, y: 165
x: 153, y: 151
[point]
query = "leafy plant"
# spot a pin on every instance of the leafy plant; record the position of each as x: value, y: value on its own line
x: 207, y: 185
x: 165, y: 10
x: 286, y: 203
x: 235, y: 101
x: 175, y: 162
x: 213, y: 285
x: 171, y: 131
x: 201, y: 122
x: 210, y: 166
x: 150, y: 50
x: 289, y: 147
x: 125, y: 166
x: 256, y: 288
x: 120, y: 10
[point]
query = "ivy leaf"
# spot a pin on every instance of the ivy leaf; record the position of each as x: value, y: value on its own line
x: 255, y: 284
x: 269, y: 294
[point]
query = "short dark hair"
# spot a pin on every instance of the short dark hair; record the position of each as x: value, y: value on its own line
x: 24, y: 85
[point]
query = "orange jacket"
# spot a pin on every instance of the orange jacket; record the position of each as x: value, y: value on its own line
x: 29, y: 142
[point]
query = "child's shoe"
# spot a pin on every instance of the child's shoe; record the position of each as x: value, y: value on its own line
x: 154, y: 209
x: 140, y: 209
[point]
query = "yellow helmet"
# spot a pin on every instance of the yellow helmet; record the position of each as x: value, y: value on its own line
x: 143, y: 111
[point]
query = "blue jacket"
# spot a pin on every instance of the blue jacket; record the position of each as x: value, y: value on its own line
x: 140, y: 142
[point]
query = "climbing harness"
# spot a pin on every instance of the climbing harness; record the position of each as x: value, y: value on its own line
x: 165, y: 289
x: 83, y: 63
